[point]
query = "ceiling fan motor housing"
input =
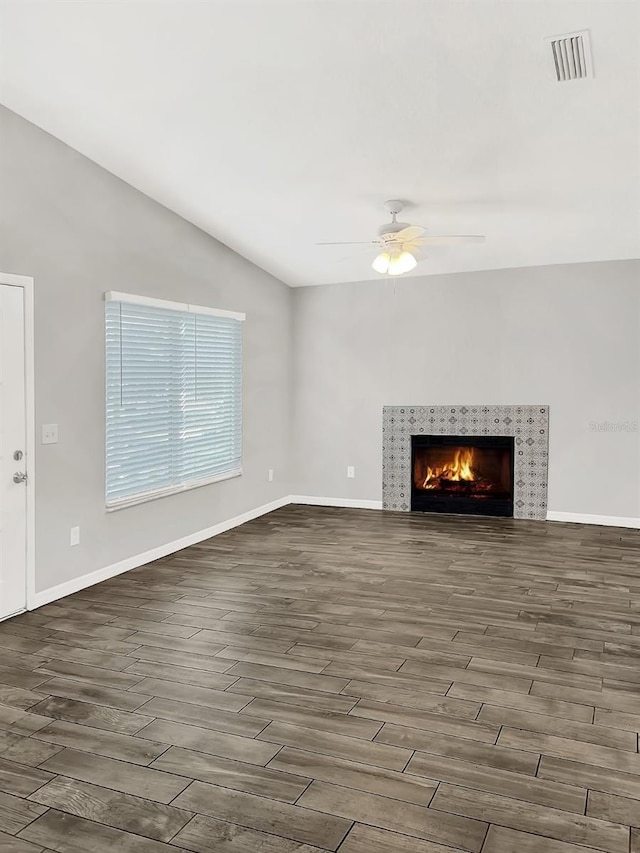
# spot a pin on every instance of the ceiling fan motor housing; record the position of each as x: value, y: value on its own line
x: 394, y: 207
x: 391, y: 228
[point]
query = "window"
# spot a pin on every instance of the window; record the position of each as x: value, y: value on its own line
x: 174, y: 397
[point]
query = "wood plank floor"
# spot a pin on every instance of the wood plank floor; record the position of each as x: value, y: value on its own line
x: 335, y: 680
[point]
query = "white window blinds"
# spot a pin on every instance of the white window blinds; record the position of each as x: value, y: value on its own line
x: 173, y: 397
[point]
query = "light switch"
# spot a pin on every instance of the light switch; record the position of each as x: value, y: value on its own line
x: 49, y: 433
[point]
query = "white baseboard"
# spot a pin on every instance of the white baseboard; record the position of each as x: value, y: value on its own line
x: 75, y: 585
x: 574, y: 517
x: 352, y: 503
x: 605, y: 520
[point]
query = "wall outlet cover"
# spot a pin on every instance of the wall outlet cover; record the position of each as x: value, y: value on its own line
x: 270, y: 475
x: 74, y: 536
x: 49, y: 433
x: 351, y: 471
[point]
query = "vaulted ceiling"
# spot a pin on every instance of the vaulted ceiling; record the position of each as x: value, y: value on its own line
x: 279, y: 124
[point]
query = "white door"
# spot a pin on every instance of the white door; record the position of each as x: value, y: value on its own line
x: 13, y: 484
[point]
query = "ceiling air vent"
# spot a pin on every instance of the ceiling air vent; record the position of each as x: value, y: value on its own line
x: 571, y: 56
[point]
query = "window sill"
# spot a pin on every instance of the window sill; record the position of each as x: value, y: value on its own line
x: 134, y: 500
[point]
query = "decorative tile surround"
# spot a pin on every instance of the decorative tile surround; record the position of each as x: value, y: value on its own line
x: 528, y: 424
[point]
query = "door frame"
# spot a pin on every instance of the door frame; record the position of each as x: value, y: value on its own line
x: 27, y: 285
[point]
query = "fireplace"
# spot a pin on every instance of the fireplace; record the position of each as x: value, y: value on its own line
x: 462, y: 474
x: 526, y: 426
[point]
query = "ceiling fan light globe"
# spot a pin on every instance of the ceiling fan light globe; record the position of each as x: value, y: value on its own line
x: 381, y: 263
x: 401, y: 263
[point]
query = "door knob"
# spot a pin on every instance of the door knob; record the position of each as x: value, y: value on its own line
x: 20, y: 477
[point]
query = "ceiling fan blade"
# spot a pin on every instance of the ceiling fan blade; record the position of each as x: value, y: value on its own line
x: 350, y: 243
x: 409, y: 233
x: 449, y: 239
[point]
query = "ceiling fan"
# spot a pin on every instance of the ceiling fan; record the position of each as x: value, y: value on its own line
x: 400, y: 242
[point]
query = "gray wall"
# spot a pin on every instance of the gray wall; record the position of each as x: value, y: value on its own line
x: 80, y: 232
x: 567, y: 336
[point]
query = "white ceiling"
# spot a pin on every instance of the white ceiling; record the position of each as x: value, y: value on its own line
x: 274, y: 125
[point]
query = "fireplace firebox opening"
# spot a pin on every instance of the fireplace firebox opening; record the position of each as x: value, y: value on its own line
x: 462, y: 474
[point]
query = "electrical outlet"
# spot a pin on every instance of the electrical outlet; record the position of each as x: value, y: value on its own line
x: 351, y: 472
x: 74, y: 536
x: 270, y: 475
x: 49, y: 433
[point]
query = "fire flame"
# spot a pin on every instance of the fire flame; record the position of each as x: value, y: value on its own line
x: 459, y: 468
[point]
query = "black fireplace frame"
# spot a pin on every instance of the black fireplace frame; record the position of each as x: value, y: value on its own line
x: 422, y: 501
